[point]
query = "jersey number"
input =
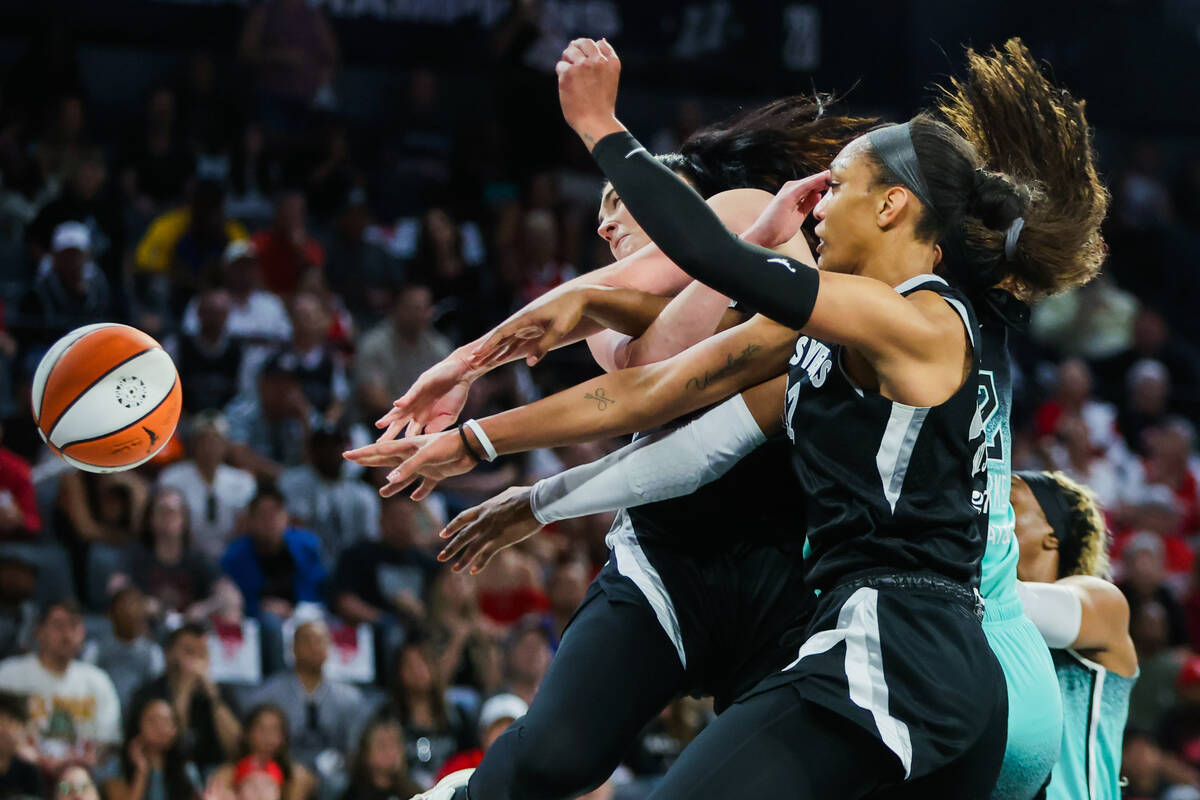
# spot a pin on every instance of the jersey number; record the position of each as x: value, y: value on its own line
x: 989, y: 410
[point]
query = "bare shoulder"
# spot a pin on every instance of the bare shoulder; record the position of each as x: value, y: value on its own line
x: 738, y: 208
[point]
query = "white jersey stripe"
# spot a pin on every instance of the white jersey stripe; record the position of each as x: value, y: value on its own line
x: 896, y: 448
x: 858, y: 626
x: 633, y: 564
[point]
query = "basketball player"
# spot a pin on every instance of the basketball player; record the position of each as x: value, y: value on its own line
x: 1064, y: 563
x: 1034, y: 724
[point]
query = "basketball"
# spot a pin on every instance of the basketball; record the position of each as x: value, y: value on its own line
x: 106, y: 397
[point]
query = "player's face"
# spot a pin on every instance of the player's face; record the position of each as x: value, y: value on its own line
x: 618, y: 227
x: 1039, y: 547
x: 847, y: 216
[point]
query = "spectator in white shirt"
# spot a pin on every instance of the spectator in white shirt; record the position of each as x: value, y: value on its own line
x: 73, y: 705
x: 393, y: 354
x: 215, y: 492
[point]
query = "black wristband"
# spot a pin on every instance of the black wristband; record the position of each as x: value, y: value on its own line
x: 462, y: 434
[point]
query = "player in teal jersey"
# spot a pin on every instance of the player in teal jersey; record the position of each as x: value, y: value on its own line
x: 1063, y: 561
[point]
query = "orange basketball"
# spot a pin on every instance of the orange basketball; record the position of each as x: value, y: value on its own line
x: 106, y: 397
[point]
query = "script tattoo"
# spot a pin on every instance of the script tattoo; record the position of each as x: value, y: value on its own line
x: 601, y: 397
x: 732, y: 364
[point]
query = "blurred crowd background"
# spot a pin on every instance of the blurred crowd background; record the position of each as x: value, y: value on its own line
x: 310, y: 205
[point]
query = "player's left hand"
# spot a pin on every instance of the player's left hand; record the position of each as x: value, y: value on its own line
x: 783, y: 216
x: 588, y: 74
x: 479, y: 533
x: 432, y: 457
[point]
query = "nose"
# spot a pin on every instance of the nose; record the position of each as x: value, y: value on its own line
x: 606, y: 230
x: 819, y: 210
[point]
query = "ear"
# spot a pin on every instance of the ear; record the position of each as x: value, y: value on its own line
x: 1050, y: 542
x: 891, y: 205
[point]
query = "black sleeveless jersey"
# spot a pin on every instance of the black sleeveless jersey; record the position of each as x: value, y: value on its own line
x: 888, y: 485
x: 758, y: 501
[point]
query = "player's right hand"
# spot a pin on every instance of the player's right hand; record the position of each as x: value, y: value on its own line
x: 431, y: 404
x: 479, y: 533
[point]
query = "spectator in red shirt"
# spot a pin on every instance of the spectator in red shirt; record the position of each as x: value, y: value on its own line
x: 494, y: 718
x: 286, y: 251
x: 18, y: 505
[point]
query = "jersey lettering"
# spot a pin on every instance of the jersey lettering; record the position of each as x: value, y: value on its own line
x: 813, y: 357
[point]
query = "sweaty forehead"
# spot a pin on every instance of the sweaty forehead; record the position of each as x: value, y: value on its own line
x: 850, y: 156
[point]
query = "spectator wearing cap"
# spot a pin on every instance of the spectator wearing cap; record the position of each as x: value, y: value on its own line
x: 379, y: 770
x: 496, y: 714
x: 393, y: 354
x: 276, y: 566
x: 286, y: 251
x: 339, y: 510
x: 69, y: 291
x: 215, y: 492
x: 166, y: 568
x: 183, y: 248
x: 74, y: 706
x: 19, y: 518
x: 126, y: 651
x: 83, y: 198
x: 18, y: 777
x: 257, y: 318
x: 270, y: 427
x: 18, y: 611
x: 265, y: 748
x: 210, y: 357
x: 324, y: 716
x: 210, y: 728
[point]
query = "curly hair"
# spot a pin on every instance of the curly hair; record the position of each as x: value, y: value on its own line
x: 1085, y: 551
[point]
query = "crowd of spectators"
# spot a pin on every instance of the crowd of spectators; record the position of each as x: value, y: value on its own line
x: 244, y: 617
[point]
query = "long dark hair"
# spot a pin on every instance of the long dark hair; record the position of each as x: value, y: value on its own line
x: 148, y: 515
x: 1012, y: 145
x: 283, y: 758
x: 766, y: 146
x: 400, y: 705
x: 175, y: 761
x: 360, y: 774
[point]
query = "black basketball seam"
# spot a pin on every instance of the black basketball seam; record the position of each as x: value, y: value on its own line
x: 89, y: 387
x: 50, y: 371
x: 158, y: 405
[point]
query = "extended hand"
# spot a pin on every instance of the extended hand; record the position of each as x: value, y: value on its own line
x: 434, y: 457
x: 783, y: 216
x: 431, y: 404
x: 479, y: 533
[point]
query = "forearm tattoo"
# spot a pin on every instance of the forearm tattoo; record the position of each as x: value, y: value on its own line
x: 732, y: 364
x: 601, y: 398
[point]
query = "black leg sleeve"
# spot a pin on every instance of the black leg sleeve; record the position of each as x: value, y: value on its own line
x: 613, y: 673
x: 691, y: 235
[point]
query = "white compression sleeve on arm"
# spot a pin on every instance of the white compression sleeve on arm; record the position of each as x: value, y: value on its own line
x: 657, y: 467
x: 1055, y: 610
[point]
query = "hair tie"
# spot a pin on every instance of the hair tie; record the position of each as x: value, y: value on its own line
x: 1010, y: 238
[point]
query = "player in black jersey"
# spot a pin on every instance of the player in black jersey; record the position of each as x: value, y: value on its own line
x: 889, y: 551
x: 679, y: 608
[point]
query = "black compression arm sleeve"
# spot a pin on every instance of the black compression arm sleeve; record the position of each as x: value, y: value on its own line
x: 691, y: 235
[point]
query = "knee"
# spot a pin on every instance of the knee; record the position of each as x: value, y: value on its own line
x: 548, y: 765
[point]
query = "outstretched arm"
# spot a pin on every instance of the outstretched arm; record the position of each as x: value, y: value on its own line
x: 1084, y: 613
x: 656, y: 467
x: 622, y: 402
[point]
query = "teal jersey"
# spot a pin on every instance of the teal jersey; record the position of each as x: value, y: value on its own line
x: 1095, y: 705
x: 998, y: 573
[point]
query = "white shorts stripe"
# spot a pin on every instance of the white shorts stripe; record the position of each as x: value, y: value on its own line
x: 858, y: 626
x: 633, y: 564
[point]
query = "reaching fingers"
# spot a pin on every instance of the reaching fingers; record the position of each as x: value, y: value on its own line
x: 395, y: 486
x: 480, y: 561
x: 414, y: 428
x: 394, y: 428
x: 425, y: 489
